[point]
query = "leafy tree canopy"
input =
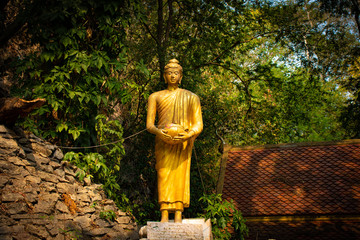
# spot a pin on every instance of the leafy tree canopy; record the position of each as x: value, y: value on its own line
x: 266, y: 72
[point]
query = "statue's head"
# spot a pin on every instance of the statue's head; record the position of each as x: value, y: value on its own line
x: 173, y: 72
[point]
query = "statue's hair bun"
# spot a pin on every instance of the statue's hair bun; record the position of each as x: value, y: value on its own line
x: 173, y: 61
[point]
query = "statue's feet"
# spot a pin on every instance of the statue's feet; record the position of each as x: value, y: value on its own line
x: 164, y: 216
x: 178, y: 218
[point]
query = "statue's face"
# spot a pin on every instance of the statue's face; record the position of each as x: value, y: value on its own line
x: 173, y: 76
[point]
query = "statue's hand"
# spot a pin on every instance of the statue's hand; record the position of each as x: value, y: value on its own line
x: 163, y: 135
x: 182, y: 137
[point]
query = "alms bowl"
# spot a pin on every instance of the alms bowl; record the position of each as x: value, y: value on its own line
x: 173, y: 130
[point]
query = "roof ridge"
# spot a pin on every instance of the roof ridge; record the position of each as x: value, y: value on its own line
x: 290, y: 145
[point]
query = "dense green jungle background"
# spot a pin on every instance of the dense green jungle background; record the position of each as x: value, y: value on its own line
x: 267, y: 72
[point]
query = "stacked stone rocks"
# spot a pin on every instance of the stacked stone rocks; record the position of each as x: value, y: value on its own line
x: 41, y: 199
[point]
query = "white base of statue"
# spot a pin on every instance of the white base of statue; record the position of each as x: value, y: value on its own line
x: 189, y: 229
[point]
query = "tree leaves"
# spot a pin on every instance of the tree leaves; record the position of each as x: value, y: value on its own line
x: 223, y: 215
x: 266, y: 72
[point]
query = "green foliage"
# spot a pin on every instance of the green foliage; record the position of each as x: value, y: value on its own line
x: 77, y: 69
x: 73, y: 234
x: 267, y: 100
x: 351, y: 113
x: 108, y: 215
x: 94, y: 165
x: 146, y: 210
x: 110, y: 132
x: 265, y: 71
x: 104, y: 166
x: 223, y: 215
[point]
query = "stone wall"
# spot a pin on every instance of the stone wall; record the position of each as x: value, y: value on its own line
x: 41, y: 199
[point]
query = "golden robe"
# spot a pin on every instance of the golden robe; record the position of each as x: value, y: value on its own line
x: 173, y: 161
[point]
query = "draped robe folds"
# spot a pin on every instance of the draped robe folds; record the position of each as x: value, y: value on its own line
x: 173, y: 161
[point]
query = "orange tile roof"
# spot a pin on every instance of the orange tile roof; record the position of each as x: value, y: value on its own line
x: 312, y: 230
x: 294, y: 179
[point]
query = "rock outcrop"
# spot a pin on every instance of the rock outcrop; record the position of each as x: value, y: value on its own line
x: 41, y: 199
x: 12, y: 107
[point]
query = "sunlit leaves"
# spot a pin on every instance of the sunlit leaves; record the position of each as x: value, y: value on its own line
x: 223, y: 215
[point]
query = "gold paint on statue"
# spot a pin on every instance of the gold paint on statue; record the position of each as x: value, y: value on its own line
x: 179, y: 123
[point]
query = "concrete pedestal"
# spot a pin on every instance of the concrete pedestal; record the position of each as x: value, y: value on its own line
x: 189, y: 229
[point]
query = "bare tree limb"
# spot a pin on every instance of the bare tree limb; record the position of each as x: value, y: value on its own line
x: 149, y: 31
x: 247, y: 92
x: 238, y: 42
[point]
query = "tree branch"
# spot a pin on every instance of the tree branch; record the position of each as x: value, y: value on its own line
x: 31, y: 9
x: 356, y: 11
x: 160, y: 33
x: 242, y: 81
x: 12, y: 29
x: 149, y: 31
x: 169, y: 21
x: 238, y: 42
x: 160, y: 24
x: 3, y: 4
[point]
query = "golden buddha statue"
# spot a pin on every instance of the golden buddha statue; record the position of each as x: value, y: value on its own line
x: 179, y: 123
